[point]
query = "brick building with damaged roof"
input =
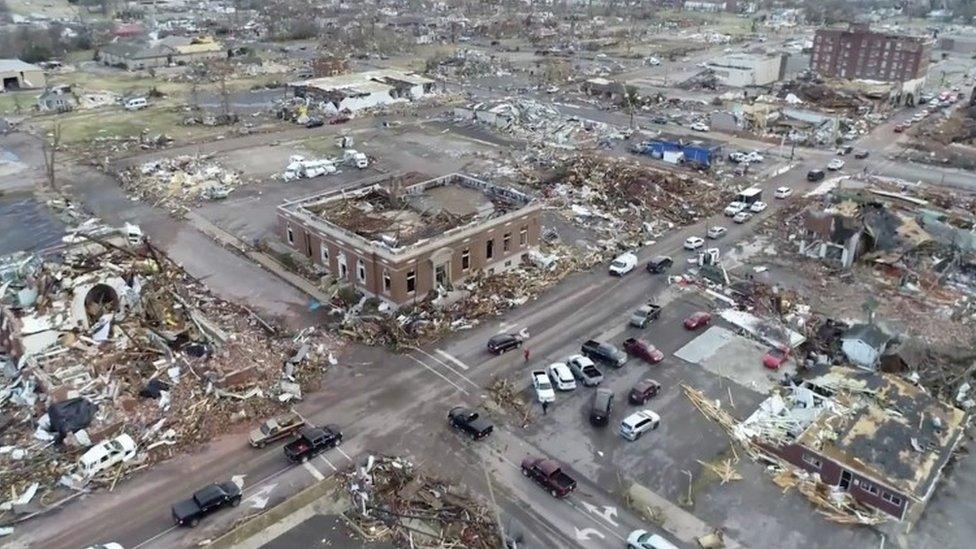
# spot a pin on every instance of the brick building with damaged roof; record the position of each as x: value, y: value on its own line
x: 399, y: 239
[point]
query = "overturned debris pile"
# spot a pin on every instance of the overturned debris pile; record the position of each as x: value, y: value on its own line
x: 393, y: 500
x: 178, y: 183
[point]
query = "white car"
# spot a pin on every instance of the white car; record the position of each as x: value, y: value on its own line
x: 543, y: 388
x: 638, y: 423
x: 757, y: 206
x: 694, y: 242
x: 783, y: 192
x: 623, y: 264
x: 716, y: 232
x: 561, y: 376
x: 699, y: 127
x: 642, y: 539
x: 653, y: 61
x: 835, y: 164
x: 734, y: 208
x: 742, y: 217
x: 753, y: 157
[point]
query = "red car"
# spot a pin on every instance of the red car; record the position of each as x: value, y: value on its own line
x: 339, y: 120
x: 774, y: 358
x: 643, y: 390
x: 697, y: 320
x: 899, y: 128
x: 642, y: 349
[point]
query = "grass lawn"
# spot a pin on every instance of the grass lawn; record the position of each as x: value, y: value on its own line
x: 80, y: 127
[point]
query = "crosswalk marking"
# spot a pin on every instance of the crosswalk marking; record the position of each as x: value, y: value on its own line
x: 315, y: 472
x: 329, y: 463
x: 452, y: 358
x: 343, y: 453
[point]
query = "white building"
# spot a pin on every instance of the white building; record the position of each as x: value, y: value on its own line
x: 740, y: 70
x: 364, y: 90
x: 864, y: 344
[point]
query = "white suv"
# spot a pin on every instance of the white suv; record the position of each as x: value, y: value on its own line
x: 734, y: 208
x: 561, y: 377
x: 638, y: 423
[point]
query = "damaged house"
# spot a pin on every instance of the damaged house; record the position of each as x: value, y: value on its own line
x: 364, y: 90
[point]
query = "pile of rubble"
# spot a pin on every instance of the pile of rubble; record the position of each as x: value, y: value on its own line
x: 179, y: 182
x: 109, y: 349
x: 393, y: 501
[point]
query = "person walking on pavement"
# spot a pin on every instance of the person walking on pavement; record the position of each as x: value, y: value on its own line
x: 525, y: 353
x: 545, y: 408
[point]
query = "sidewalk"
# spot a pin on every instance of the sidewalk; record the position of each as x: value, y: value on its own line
x: 678, y: 522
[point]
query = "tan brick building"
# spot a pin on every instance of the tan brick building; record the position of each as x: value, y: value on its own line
x: 399, y: 239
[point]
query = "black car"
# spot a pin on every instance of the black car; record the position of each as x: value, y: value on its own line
x: 815, y: 175
x: 312, y: 441
x: 206, y: 501
x: 862, y: 154
x: 470, y: 422
x: 659, y: 264
x: 659, y: 120
x: 503, y: 343
x: 603, y: 352
x: 601, y: 407
x: 314, y: 123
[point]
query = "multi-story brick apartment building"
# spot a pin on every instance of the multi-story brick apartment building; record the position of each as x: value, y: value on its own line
x: 398, y: 239
x: 858, y: 52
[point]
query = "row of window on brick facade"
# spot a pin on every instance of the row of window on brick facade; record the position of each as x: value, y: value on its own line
x: 815, y: 462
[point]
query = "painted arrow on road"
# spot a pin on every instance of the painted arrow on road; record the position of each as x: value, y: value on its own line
x: 608, y: 513
x: 259, y: 499
x: 585, y: 533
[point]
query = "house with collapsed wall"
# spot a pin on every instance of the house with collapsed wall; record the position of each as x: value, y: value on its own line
x: 363, y: 90
x: 399, y: 239
x: 875, y: 437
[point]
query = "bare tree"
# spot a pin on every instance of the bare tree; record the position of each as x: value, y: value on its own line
x: 50, y: 147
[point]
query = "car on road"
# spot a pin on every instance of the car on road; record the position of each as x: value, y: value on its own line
x: 635, y: 425
x: 643, y: 390
x: 601, y: 407
x: 276, y: 428
x: 642, y: 539
x: 846, y: 149
x: 549, y: 474
x: 311, y: 442
x: 602, y: 351
x: 716, y: 232
x: 623, y: 264
x: 694, y: 242
x: 815, y: 175
x: 660, y: 120
x: 697, y: 320
x: 774, y: 358
x: 204, y: 502
x: 584, y: 370
x: 314, y: 123
x: 898, y: 128
x: 734, y: 208
x: 645, y: 314
x: 561, y: 376
x: 757, y: 206
x: 862, y: 154
x: 835, y: 164
x: 642, y: 349
x: 659, y: 264
x: 470, y: 422
x: 543, y: 387
x: 699, y: 127
x: 742, y: 217
x: 502, y: 343
x: 783, y: 192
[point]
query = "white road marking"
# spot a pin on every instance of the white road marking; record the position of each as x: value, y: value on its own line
x: 585, y: 533
x: 438, y: 374
x: 446, y: 365
x: 259, y: 500
x: 506, y: 327
x: 329, y: 463
x: 157, y: 536
x: 452, y: 358
x: 343, y: 453
x: 607, y: 514
x: 314, y: 472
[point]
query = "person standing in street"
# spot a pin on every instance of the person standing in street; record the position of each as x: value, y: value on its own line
x: 525, y: 353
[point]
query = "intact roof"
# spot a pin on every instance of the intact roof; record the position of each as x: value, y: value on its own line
x: 868, y: 333
x: 16, y: 65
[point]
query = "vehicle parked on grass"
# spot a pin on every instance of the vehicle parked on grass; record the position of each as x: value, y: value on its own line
x: 783, y: 192
x: 642, y: 349
x: 502, y: 343
x: 835, y: 164
x: 742, y: 217
x: 584, y: 370
x: 549, y: 474
x: 697, y: 320
x: 642, y: 539
x: 716, y: 232
x: 276, y: 428
x: 659, y: 264
x: 311, y: 442
x: 603, y: 352
x: 643, y: 390
x: 774, y: 358
x: 601, y: 407
x: 543, y: 387
x: 204, y: 502
x: 635, y: 425
x: 758, y: 207
x: 645, y: 314
x: 470, y: 422
x: 734, y: 208
x: 623, y: 264
x: 694, y: 242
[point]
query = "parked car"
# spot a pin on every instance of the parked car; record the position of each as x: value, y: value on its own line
x: 561, y: 376
x: 339, y: 120
x: 584, y: 370
x: 635, y: 425
x: 502, y: 343
x: 659, y: 264
x: 643, y: 390
x: 549, y: 474
x: 758, y: 206
x: 623, y: 264
x: 543, y: 387
x: 642, y: 349
x: 659, y: 120
x: 783, y: 192
x: 835, y: 164
x: 601, y: 407
x: 697, y: 320
x: 846, y: 149
x: 204, y: 502
x: 470, y: 422
x: 642, y: 539
x: 742, y: 217
x: 862, y: 154
x: 899, y: 128
x: 276, y: 428
x: 694, y: 242
x: 716, y: 232
x: 645, y: 314
x: 774, y: 358
x: 815, y: 175
x: 311, y: 442
x: 753, y: 157
x: 734, y: 208
x: 700, y: 127
x: 314, y: 123
x: 603, y: 352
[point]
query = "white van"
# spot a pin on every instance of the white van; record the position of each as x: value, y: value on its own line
x: 136, y: 103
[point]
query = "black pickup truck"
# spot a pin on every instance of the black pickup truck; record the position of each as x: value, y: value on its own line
x: 470, y: 422
x: 205, y: 501
x: 603, y: 352
x: 312, y: 441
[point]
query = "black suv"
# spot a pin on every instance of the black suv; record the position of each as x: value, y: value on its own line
x: 601, y: 407
x: 603, y: 352
x: 502, y: 343
x: 815, y: 175
x: 206, y: 501
x: 659, y: 264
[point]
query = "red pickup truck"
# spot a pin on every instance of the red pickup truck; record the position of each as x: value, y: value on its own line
x: 549, y: 474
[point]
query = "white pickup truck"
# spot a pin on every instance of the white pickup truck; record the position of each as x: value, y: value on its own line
x: 543, y: 387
